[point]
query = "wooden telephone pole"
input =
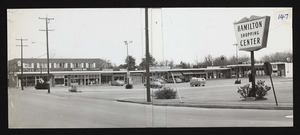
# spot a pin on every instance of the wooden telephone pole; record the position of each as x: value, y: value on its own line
x: 147, y: 56
x: 22, y: 59
x: 47, y: 21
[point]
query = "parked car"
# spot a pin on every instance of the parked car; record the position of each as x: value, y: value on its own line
x: 197, y: 82
x: 160, y: 80
x: 117, y: 83
x: 178, y: 80
x: 155, y: 84
x: 41, y: 85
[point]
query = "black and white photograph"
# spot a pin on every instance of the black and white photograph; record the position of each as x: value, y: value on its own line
x: 150, y: 67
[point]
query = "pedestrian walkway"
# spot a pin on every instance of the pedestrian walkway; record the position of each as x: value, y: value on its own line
x: 239, y: 104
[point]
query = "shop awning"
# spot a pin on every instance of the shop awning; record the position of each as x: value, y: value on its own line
x: 176, y: 73
x: 187, y: 73
x: 199, y: 73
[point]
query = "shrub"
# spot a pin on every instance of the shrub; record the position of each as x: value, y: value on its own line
x: 165, y: 93
x: 128, y: 86
x: 43, y: 85
x: 244, y: 91
x: 260, y: 87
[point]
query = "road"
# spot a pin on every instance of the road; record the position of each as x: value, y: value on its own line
x: 38, y: 109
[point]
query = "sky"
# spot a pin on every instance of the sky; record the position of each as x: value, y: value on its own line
x: 189, y: 34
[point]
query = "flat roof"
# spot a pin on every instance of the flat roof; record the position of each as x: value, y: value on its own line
x: 136, y: 71
x: 256, y: 64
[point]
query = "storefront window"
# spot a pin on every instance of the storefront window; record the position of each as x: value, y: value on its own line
x: 59, y: 81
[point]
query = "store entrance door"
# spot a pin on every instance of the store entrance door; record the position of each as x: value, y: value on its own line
x: 66, y: 82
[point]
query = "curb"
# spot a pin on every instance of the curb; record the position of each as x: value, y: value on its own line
x: 212, y: 106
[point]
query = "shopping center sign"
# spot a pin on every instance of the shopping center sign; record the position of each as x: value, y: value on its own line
x: 252, y: 33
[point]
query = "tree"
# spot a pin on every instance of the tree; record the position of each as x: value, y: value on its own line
x: 122, y: 66
x: 131, y: 61
x: 169, y: 63
x: 277, y: 57
x: 151, y: 63
x: 184, y: 65
x: 220, y: 61
x: 105, y: 64
x: 244, y: 58
x: 208, y: 60
x: 232, y: 60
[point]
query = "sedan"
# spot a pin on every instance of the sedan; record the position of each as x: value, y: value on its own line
x: 117, y: 83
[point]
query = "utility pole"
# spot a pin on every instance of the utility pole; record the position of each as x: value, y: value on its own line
x: 147, y: 55
x: 47, y: 21
x: 253, y: 74
x: 22, y: 59
x: 126, y: 43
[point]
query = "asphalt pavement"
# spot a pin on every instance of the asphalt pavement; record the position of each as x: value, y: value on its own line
x: 222, y: 93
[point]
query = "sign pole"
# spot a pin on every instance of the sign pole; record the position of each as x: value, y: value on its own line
x: 268, y: 70
x: 273, y: 90
x: 253, y: 91
x: 176, y: 88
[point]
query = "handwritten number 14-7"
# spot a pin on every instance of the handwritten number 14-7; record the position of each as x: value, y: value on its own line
x: 283, y: 16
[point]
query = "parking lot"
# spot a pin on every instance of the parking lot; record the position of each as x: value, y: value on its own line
x: 96, y: 106
x: 218, y: 90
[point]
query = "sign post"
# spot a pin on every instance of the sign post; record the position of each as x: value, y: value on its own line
x: 268, y: 71
x: 176, y: 87
x: 252, y: 35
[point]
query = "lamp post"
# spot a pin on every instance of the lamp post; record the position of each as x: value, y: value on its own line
x: 237, y: 63
x: 237, y: 60
x: 126, y: 43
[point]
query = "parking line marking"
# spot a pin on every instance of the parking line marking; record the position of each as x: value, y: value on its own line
x: 289, y: 116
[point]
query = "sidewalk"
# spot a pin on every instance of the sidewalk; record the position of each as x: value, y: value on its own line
x: 239, y: 104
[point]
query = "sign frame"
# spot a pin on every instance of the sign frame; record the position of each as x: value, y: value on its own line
x: 256, y: 26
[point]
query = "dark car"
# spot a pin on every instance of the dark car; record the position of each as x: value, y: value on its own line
x: 117, y: 83
x: 155, y: 84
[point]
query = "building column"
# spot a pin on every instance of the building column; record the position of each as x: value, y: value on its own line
x: 99, y: 79
x: 35, y: 81
x: 84, y: 80
x: 17, y: 81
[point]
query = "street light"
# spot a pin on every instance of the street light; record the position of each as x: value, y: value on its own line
x: 237, y: 63
x: 126, y: 43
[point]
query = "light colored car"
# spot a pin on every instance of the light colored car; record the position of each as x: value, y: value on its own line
x: 160, y: 80
x: 178, y: 80
x: 197, y: 82
x: 117, y: 83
